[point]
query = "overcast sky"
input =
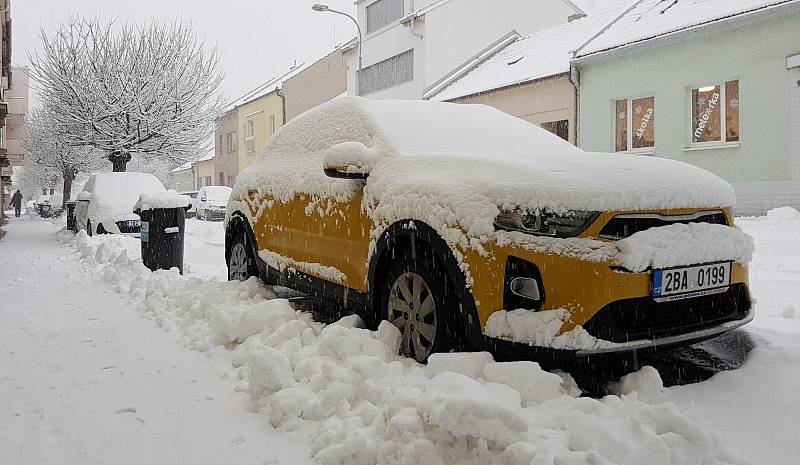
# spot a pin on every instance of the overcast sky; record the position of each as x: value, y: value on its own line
x: 257, y: 39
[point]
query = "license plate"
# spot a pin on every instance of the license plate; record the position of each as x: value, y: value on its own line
x: 691, y: 281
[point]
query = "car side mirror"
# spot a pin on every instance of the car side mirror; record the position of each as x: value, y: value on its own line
x: 349, y: 160
x: 343, y: 173
x: 84, y: 196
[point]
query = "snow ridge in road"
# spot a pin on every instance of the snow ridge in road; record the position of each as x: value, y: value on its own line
x: 364, y: 404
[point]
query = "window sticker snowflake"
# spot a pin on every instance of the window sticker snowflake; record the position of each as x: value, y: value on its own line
x: 734, y: 103
x: 621, y: 115
x: 638, y: 110
x: 701, y: 102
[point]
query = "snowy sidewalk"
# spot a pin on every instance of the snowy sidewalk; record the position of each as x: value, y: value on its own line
x: 84, y: 379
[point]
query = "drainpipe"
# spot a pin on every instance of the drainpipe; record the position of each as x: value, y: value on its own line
x: 283, y: 105
x: 575, y: 80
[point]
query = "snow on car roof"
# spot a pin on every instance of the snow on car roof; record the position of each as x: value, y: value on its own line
x: 648, y: 19
x: 116, y: 193
x: 541, y: 54
x: 216, y: 192
x: 408, y: 127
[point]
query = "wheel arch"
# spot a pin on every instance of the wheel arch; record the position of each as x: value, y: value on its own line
x: 413, y: 234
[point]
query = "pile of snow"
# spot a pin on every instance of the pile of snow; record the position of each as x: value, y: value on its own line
x: 167, y: 199
x: 683, y: 244
x: 360, y: 403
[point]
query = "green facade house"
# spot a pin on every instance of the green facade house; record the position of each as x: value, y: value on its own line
x: 714, y: 83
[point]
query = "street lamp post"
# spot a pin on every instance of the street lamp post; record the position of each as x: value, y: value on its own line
x: 325, y: 8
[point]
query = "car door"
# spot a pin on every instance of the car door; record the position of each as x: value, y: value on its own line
x: 333, y: 234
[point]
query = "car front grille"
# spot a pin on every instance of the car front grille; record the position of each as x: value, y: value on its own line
x: 127, y: 227
x: 644, y: 318
x: 622, y: 226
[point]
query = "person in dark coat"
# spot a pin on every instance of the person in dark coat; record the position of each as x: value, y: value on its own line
x: 16, y: 201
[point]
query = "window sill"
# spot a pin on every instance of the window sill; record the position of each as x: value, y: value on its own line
x: 647, y: 151
x: 711, y: 146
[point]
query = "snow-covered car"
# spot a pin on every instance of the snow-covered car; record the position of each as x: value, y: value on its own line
x: 211, y: 202
x: 467, y: 227
x: 192, y: 211
x: 42, y: 200
x: 52, y: 206
x: 106, y: 203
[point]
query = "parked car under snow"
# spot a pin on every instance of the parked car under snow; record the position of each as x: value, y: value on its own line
x: 467, y: 227
x: 211, y: 202
x: 106, y: 203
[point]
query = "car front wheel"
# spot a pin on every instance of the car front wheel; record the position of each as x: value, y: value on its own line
x: 417, y: 300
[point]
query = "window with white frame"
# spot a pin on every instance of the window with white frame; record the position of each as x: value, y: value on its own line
x: 231, y: 141
x: 635, y: 124
x: 715, y: 113
x: 387, y: 73
x: 250, y: 137
x: 382, y: 13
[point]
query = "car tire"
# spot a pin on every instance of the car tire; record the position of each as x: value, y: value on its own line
x: 241, y: 261
x: 417, y: 293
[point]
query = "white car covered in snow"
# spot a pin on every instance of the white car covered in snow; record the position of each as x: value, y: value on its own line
x: 106, y: 203
x: 211, y: 202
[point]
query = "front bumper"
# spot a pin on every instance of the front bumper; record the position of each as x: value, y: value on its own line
x: 610, y: 303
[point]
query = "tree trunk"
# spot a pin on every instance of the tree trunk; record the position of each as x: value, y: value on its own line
x: 69, y: 176
x: 119, y: 161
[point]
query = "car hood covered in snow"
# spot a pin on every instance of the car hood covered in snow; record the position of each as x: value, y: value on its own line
x: 456, y: 166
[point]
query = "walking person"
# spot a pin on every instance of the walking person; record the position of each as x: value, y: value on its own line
x: 16, y: 201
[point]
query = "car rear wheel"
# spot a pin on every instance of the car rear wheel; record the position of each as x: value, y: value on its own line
x: 417, y: 299
x: 241, y: 263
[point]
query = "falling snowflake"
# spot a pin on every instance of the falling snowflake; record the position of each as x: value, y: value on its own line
x: 734, y: 103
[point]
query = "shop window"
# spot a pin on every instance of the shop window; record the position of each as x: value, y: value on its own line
x: 715, y: 113
x: 559, y: 128
x: 635, y: 124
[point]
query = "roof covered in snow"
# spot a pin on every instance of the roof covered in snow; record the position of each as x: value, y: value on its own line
x: 649, y: 19
x: 268, y: 87
x: 183, y: 167
x: 541, y: 54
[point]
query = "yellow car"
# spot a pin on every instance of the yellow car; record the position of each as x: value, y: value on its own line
x: 469, y: 228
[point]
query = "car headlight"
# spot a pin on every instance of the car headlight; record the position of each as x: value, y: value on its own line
x: 545, y: 223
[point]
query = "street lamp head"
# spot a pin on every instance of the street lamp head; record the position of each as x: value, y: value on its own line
x: 320, y: 7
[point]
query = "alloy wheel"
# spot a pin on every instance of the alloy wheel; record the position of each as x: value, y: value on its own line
x: 412, y: 308
x: 237, y: 265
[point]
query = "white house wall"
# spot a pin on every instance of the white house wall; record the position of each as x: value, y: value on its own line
x: 452, y: 33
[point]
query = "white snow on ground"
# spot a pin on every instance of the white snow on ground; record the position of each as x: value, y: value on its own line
x: 541, y: 329
x: 344, y: 394
x: 85, y: 380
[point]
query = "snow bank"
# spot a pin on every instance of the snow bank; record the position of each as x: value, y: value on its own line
x: 360, y: 403
x: 683, y: 244
x: 168, y: 199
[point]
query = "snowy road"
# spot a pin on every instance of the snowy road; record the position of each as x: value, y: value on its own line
x: 86, y: 379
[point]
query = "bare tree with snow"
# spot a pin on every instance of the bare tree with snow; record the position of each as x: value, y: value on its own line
x: 50, y: 153
x: 151, y: 90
